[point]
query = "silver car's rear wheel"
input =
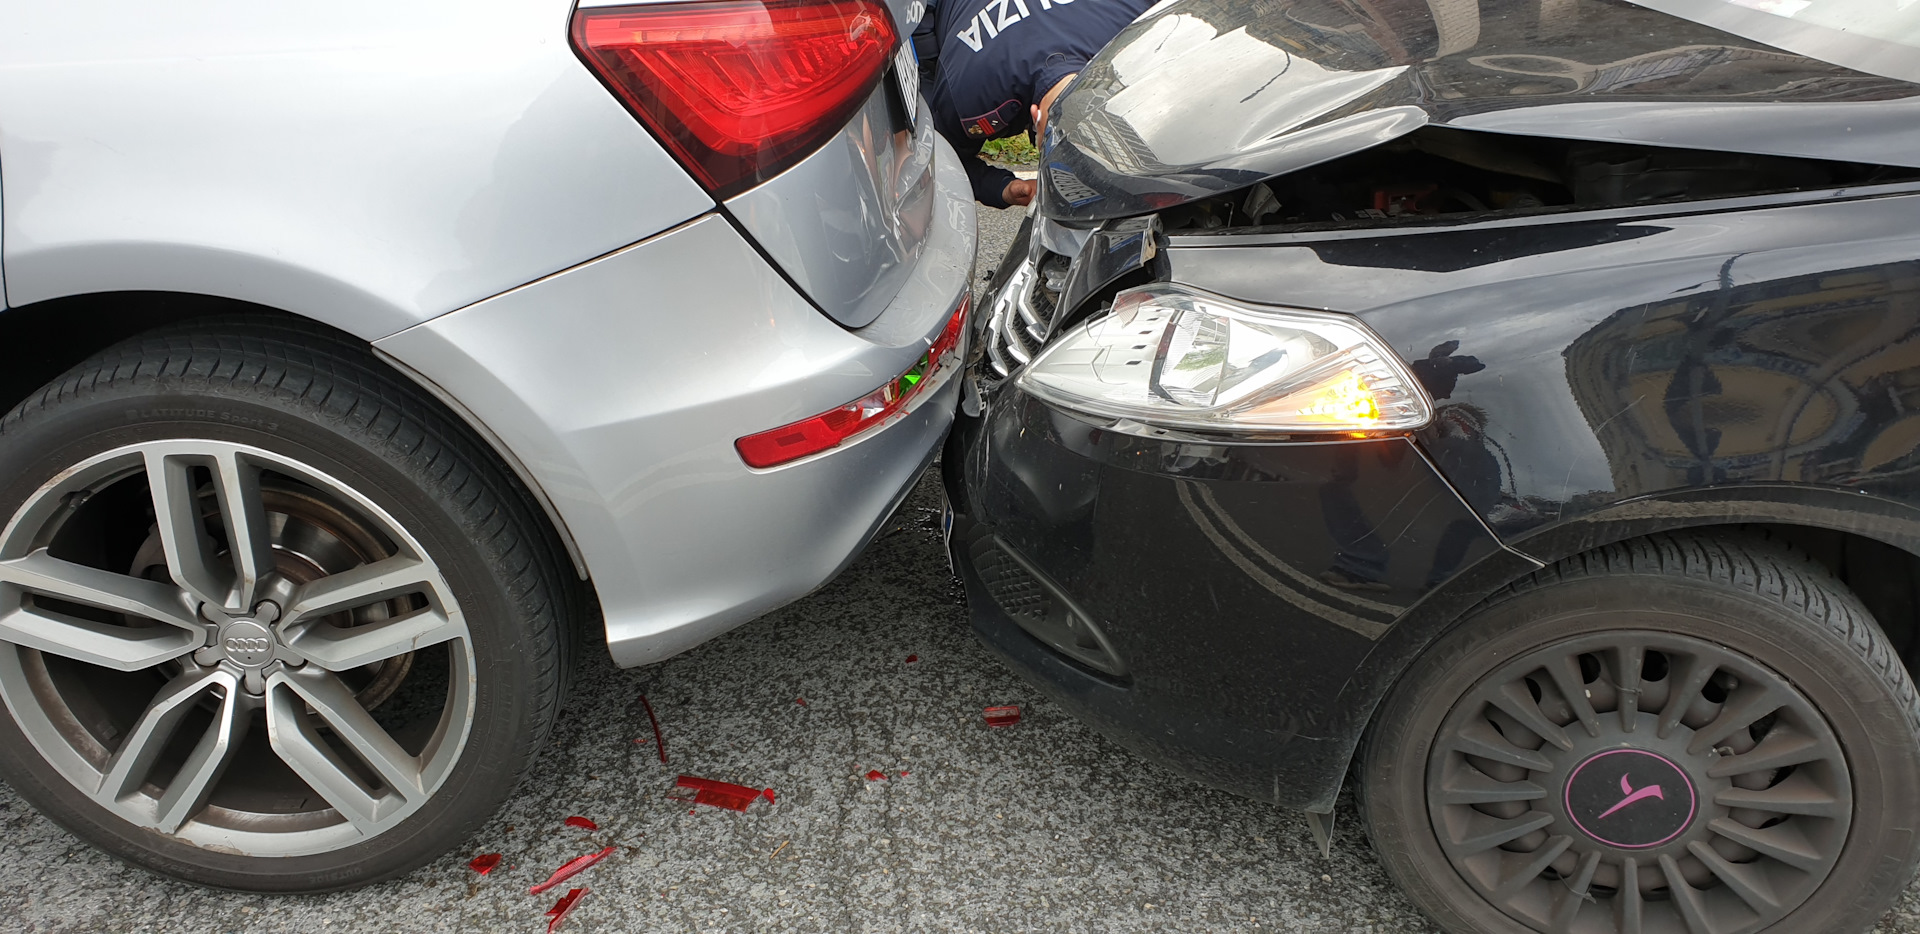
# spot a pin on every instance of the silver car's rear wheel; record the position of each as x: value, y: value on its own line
x: 270, y: 619
x: 301, y: 608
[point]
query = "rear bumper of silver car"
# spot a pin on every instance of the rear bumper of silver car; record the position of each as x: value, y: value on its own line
x: 622, y: 384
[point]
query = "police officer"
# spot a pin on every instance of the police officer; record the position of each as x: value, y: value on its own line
x: 1002, y: 63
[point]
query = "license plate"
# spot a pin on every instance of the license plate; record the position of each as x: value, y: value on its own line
x: 946, y: 529
x: 906, y: 70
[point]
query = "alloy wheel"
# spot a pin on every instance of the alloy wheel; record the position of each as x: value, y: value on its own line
x: 230, y: 647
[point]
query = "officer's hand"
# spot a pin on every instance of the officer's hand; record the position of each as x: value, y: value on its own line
x: 1019, y: 192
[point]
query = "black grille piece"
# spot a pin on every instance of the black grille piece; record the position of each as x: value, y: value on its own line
x: 1024, y: 312
x: 1019, y: 594
x: 1039, y: 606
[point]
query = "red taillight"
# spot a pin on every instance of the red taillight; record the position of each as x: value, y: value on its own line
x: 740, y: 89
x: 832, y: 428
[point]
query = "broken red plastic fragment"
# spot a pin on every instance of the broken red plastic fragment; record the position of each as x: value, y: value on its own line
x: 912, y: 658
x: 573, y: 867
x: 874, y: 775
x: 1002, y: 716
x: 581, y: 823
x: 563, y: 907
x: 719, y: 794
x: 767, y: 793
x: 659, y: 742
x: 484, y: 864
x: 904, y: 773
x: 801, y: 701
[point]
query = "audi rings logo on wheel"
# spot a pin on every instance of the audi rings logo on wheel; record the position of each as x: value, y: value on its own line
x: 247, y: 643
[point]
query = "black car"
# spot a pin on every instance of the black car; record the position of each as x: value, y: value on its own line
x: 1516, y: 404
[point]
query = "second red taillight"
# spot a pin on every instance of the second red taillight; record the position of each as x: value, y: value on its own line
x: 740, y: 89
x: 834, y: 427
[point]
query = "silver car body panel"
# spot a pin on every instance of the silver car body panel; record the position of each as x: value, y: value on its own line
x: 3, y: 232
x: 452, y: 183
x: 624, y: 382
x: 846, y: 224
x: 369, y: 165
x: 817, y: 219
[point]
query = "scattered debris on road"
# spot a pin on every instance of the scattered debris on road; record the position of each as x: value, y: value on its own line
x: 659, y: 741
x: 582, y: 823
x: 563, y: 907
x: 875, y: 775
x: 721, y: 794
x: 573, y: 867
x: 1002, y: 716
x: 777, y: 849
x: 912, y: 658
x: 484, y: 864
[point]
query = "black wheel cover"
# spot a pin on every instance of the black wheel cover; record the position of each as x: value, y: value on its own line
x: 1637, y: 780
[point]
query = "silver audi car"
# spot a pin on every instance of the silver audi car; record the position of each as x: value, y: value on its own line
x: 364, y: 362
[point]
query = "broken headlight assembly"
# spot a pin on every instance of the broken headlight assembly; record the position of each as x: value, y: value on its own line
x: 1170, y: 357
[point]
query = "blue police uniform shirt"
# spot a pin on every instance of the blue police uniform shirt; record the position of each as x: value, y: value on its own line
x: 998, y: 57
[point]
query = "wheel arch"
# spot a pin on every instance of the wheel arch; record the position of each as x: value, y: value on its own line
x: 1870, y: 544
x: 301, y: 285
x: 42, y: 340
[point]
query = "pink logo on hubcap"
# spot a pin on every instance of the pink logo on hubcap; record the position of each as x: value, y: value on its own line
x: 1626, y: 788
x: 1630, y: 798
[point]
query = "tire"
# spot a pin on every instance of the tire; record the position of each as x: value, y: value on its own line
x: 1777, y: 795
x: 271, y: 619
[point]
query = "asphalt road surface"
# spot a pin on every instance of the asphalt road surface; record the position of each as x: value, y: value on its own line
x: 1042, y: 827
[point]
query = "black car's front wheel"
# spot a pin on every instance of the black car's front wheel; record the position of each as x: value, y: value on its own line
x: 269, y: 618
x: 1682, y: 734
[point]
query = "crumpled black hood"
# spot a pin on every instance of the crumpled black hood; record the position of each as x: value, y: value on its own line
x: 1201, y: 97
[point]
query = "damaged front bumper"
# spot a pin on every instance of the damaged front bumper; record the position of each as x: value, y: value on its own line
x: 1051, y: 271
x: 1203, y: 604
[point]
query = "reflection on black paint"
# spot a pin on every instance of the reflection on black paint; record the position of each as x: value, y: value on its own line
x: 1204, y: 565
x: 1440, y: 370
x: 1693, y: 381
x: 1314, y: 79
x: 1804, y: 378
x: 1361, y: 562
x: 1650, y: 353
